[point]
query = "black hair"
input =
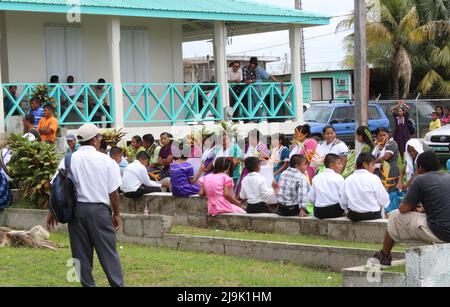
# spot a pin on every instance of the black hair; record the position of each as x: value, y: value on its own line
x: 148, y: 138
x: 254, y: 60
x: 54, y: 79
x: 434, y: 113
x: 382, y: 129
x: 101, y: 81
x: 429, y: 161
x: 29, y: 118
x: 330, y: 159
x: 297, y: 160
x: 364, y: 158
x: 71, y: 78
x: 365, y: 133
x: 328, y: 127
x: 252, y: 163
x: 114, y: 151
x: 103, y: 145
x: 142, y: 156
x: 305, y: 129
x: 49, y: 107
x: 35, y: 99
x: 222, y: 164
x: 137, y: 138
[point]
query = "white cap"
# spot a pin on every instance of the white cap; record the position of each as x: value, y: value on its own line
x: 87, y: 132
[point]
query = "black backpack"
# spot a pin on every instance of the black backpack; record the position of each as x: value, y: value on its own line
x: 63, y: 197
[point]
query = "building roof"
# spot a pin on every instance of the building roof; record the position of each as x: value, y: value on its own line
x: 225, y: 10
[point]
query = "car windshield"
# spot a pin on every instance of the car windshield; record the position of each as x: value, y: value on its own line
x: 318, y: 114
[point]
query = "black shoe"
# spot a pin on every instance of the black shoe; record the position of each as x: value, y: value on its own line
x: 385, y: 260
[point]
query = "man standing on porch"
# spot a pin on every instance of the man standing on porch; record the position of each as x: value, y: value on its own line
x: 97, y: 180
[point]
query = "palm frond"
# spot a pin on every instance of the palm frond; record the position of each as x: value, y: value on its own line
x: 444, y: 88
x: 409, y: 23
x: 431, y: 79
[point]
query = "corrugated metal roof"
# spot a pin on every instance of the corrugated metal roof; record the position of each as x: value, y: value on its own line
x: 229, y: 10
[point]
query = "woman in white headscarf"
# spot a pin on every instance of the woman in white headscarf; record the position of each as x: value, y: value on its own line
x: 414, y: 148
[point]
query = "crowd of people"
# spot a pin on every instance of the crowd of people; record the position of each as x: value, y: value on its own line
x: 440, y: 117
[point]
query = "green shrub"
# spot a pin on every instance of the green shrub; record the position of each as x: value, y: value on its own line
x: 32, y: 166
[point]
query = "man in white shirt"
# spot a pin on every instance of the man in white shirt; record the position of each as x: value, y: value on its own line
x: 327, y: 189
x: 235, y: 74
x: 97, y: 179
x: 136, y: 182
x: 364, y: 195
x: 255, y: 189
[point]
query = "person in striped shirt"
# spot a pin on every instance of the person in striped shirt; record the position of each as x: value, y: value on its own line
x: 36, y: 110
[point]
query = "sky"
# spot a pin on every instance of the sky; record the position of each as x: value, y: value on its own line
x: 323, y: 53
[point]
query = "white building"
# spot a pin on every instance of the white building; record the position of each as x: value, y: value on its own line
x: 136, y: 46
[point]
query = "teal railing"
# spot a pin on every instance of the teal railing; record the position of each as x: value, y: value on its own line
x: 85, y: 103
x: 172, y: 103
x: 263, y: 101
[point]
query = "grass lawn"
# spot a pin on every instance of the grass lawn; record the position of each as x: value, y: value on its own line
x: 146, y: 266
x: 302, y: 239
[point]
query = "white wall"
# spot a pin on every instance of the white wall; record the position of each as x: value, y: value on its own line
x: 26, y: 50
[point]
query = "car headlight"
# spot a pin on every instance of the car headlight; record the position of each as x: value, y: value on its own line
x: 428, y: 137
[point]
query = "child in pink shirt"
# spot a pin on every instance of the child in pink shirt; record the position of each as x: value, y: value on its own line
x: 218, y: 188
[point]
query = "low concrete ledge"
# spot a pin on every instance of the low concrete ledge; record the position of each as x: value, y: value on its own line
x: 372, y: 278
x: 136, y: 226
x: 335, y: 229
x: 333, y: 258
x: 425, y: 266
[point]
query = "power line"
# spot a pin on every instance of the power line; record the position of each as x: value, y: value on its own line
x: 284, y: 44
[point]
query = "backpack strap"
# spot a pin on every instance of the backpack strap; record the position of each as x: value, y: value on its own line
x: 67, y: 161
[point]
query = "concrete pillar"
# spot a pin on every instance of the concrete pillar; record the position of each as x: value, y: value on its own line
x: 361, y: 98
x: 220, y: 60
x: 2, y: 111
x: 295, y: 34
x: 113, y: 30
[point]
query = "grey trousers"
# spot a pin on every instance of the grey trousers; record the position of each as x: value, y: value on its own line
x: 91, y: 229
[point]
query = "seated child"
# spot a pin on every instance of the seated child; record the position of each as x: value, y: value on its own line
x: 293, y: 188
x: 182, y: 178
x: 136, y: 182
x: 117, y: 155
x: 255, y: 189
x: 218, y: 188
x: 364, y: 195
x: 327, y: 188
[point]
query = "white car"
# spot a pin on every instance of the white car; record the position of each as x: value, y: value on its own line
x: 439, y: 141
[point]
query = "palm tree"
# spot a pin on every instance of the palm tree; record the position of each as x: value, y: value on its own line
x: 432, y: 39
x: 399, y: 32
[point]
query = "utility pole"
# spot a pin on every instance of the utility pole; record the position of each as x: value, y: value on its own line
x: 299, y: 6
x: 361, y: 98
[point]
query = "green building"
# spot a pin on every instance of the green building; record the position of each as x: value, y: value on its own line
x: 327, y: 85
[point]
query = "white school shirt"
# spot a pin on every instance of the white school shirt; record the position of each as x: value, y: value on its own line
x: 136, y: 175
x: 95, y: 175
x: 255, y: 189
x: 336, y: 147
x: 327, y: 189
x: 364, y: 192
x: 72, y: 92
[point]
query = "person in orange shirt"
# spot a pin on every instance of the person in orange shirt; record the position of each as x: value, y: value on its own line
x: 48, y: 126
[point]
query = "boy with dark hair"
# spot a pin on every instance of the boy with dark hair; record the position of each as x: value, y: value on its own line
x: 48, y: 126
x: 364, y: 195
x: 116, y: 154
x: 424, y: 214
x: 31, y: 133
x: 136, y: 181
x: 152, y: 148
x: 435, y: 121
x: 327, y: 189
x: 36, y: 110
x: 293, y: 188
x: 255, y: 189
